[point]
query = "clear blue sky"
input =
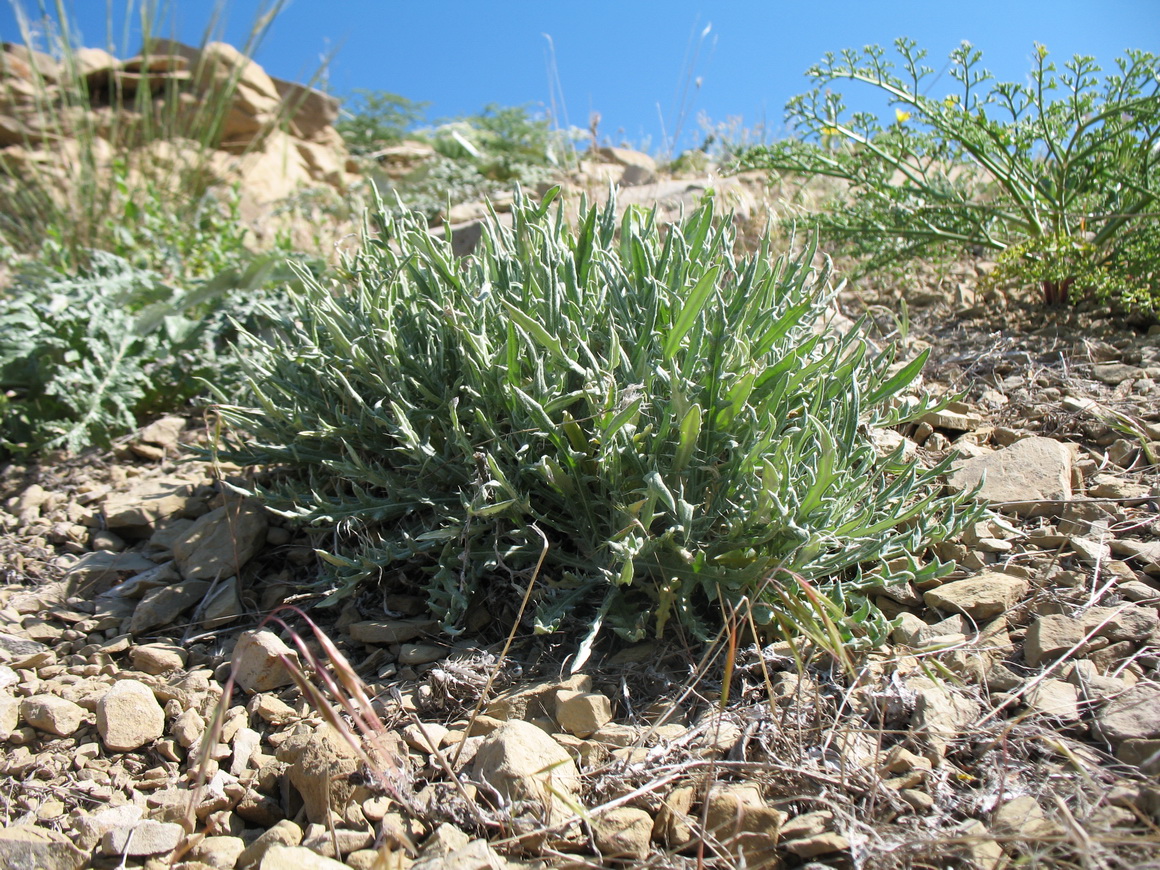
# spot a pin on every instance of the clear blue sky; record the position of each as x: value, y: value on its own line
x: 626, y: 58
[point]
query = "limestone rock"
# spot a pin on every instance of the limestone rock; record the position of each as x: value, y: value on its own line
x: 1021, y: 477
x: 153, y: 499
x: 92, y: 827
x: 628, y: 157
x: 535, y: 702
x: 128, y: 716
x: 1022, y: 817
x: 673, y: 825
x: 9, y: 715
x: 1134, y: 715
x: 23, y: 847
x: 258, y: 665
x: 297, y: 858
x: 163, y: 432
x: 20, y: 652
x: 96, y: 572
x: 426, y: 739
x: 146, y: 837
x: 155, y: 658
x: 623, y: 832
x: 283, y: 834
x: 222, y: 605
x: 1122, y: 623
x: 986, y: 595
x: 1055, y: 698
x: 582, y: 713
x: 1051, y: 636
x: 52, y: 714
x: 819, y: 844
x: 220, y: 852
x: 221, y: 542
x: 939, y: 713
x: 388, y: 631
x: 476, y: 855
x: 525, y: 764
x: 421, y: 653
x: 322, y: 775
x: 739, y: 818
x: 162, y: 606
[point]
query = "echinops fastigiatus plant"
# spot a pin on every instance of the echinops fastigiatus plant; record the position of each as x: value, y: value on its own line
x: 673, y: 431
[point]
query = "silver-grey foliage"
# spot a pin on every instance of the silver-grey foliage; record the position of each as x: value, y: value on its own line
x: 666, y: 415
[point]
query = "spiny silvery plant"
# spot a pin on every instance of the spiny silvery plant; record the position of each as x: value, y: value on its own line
x: 672, y: 430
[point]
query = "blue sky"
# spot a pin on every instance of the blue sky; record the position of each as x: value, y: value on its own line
x: 629, y: 60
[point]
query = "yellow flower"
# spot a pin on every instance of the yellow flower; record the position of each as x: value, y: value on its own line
x: 830, y: 131
x: 901, y: 116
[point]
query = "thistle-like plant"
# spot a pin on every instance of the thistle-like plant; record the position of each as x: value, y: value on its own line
x: 683, y: 427
x: 1063, y: 167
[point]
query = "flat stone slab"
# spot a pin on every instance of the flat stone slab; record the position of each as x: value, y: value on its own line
x: 1030, y: 478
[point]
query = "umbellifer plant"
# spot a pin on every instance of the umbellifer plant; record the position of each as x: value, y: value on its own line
x: 671, y: 430
x: 1058, y: 176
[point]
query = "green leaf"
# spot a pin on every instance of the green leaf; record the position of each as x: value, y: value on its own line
x: 690, y: 311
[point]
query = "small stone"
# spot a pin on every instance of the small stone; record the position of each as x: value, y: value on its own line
x: 9, y: 715
x: 986, y: 595
x: 1127, y: 622
x: 476, y: 855
x: 163, y: 432
x: 388, y: 631
x: 221, y: 542
x: 1056, y: 699
x: 24, y: 847
x: 1022, y: 817
x: 320, y: 839
x: 102, y: 539
x: 981, y: 848
x: 1113, y: 374
x: 821, y: 844
x: 1144, y: 754
x: 245, y: 743
x: 736, y: 815
x: 1028, y: 478
x: 1051, y: 636
x: 1134, y: 715
x: 673, y: 826
x: 324, y: 773
x: 939, y: 713
x: 807, y: 825
x: 161, y: 606
x: 152, y: 499
x: 536, y: 701
x: 523, y: 763
x: 919, y: 801
x: 258, y: 661
x: 188, y: 728
x: 297, y: 858
x: 272, y: 709
x: 221, y: 853
x: 421, y: 653
x: 582, y: 713
x: 284, y: 833
x: 146, y: 837
x: 222, y: 604
x: 128, y: 716
x: 52, y: 714
x: 444, y: 840
x: 157, y: 658
x: 426, y: 739
x: 623, y: 832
